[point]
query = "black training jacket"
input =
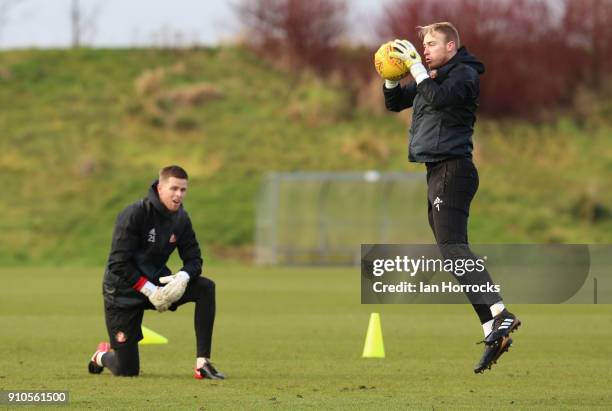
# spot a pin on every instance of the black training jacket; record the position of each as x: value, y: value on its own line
x: 145, y: 235
x: 444, y: 109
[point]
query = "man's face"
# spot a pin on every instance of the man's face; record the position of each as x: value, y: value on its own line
x: 437, y: 51
x: 172, y: 192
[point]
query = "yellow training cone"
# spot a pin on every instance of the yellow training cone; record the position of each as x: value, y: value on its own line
x: 151, y: 337
x: 374, y: 347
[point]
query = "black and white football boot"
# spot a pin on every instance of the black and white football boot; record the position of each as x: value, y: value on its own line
x: 503, y: 324
x: 209, y: 372
x: 491, y: 353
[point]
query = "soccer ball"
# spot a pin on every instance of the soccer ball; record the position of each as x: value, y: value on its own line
x: 389, y: 68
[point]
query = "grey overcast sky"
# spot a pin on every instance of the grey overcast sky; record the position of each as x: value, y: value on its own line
x: 124, y: 23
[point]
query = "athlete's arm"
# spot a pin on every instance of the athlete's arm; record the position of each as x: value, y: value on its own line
x: 124, y: 246
x: 189, y: 251
x: 460, y: 86
x: 399, y: 97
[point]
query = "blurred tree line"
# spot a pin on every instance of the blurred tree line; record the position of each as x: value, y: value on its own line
x: 538, y: 53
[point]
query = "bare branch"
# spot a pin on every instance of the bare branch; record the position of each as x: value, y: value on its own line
x: 83, y: 22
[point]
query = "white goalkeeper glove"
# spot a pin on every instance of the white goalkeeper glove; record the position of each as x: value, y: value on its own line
x: 411, y: 58
x: 175, y: 287
x: 157, y: 296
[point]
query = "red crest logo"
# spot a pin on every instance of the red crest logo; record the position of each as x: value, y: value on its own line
x: 120, y: 337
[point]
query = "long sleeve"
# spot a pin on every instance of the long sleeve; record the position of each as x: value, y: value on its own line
x: 460, y: 86
x: 400, y: 97
x: 124, y: 245
x: 189, y: 251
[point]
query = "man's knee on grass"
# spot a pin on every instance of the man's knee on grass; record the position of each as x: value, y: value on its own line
x: 124, y: 361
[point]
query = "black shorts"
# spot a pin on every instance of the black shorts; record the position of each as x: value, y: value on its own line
x: 451, y: 186
x: 124, y: 326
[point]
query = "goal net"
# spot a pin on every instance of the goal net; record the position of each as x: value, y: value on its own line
x: 324, y: 217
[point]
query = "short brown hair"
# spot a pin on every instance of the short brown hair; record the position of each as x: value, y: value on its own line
x: 447, y: 29
x: 173, y: 171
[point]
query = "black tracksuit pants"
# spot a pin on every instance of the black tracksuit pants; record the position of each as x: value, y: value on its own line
x: 125, y: 327
x: 451, y: 186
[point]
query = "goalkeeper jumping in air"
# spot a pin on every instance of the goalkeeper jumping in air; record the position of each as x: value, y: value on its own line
x: 137, y: 278
x: 444, y: 102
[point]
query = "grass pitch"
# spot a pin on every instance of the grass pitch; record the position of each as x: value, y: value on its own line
x: 291, y: 339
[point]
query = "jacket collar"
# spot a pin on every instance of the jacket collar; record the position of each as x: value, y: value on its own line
x: 462, y: 56
x: 153, y: 197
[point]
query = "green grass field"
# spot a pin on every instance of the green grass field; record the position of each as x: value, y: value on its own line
x: 291, y: 339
